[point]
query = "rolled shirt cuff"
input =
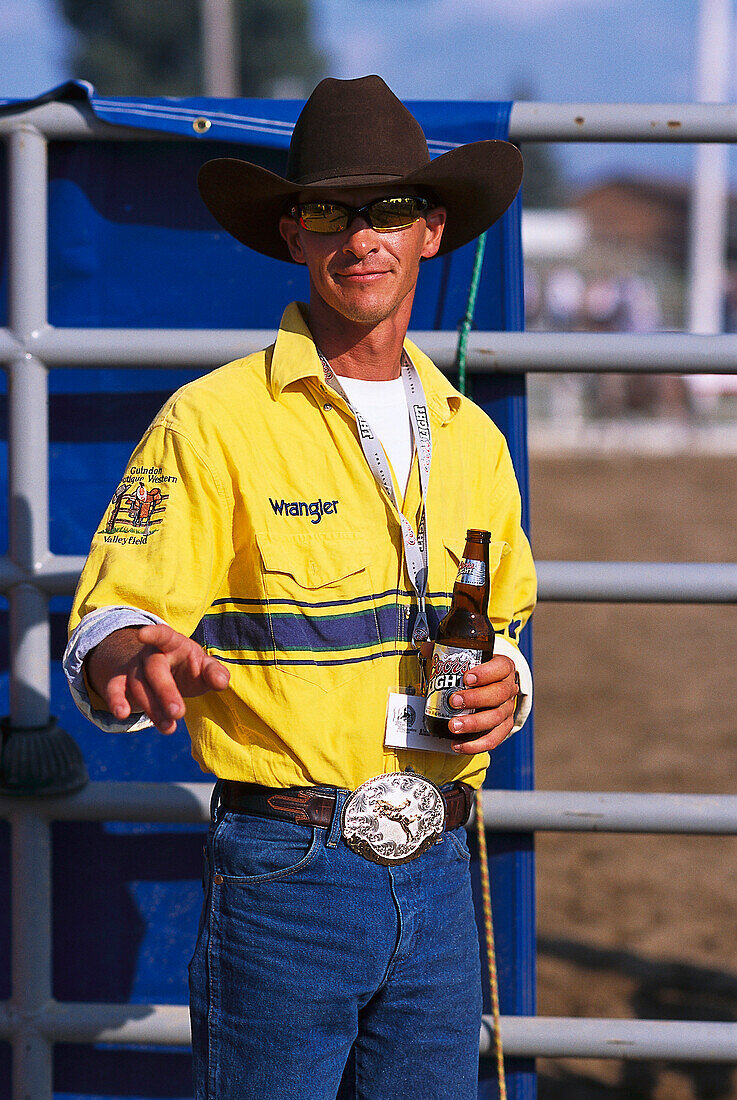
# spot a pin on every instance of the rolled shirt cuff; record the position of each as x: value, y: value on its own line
x: 92, y: 630
x: 503, y: 647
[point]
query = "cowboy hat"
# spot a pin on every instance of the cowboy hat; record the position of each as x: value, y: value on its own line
x: 355, y: 134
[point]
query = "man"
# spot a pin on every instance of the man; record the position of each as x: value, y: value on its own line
x: 289, y: 587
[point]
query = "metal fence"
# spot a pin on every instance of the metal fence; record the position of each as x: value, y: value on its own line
x: 30, y: 574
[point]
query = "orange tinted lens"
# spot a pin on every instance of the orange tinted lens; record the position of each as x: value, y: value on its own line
x: 323, y: 217
x: 396, y: 213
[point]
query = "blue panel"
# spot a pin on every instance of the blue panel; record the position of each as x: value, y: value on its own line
x: 132, y: 246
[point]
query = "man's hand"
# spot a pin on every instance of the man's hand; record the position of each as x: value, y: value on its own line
x: 152, y: 669
x: 491, y: 689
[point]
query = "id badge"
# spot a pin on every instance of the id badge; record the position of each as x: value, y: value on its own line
x: 405, y: 725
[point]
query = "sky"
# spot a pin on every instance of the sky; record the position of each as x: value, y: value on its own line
x: 560, y: 50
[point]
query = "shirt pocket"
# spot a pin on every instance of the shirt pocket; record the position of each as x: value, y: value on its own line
x: 321, y: 606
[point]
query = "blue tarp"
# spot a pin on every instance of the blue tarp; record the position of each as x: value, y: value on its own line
x: 131, y: 245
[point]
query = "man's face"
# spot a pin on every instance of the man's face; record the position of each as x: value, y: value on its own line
x: 361, y: 274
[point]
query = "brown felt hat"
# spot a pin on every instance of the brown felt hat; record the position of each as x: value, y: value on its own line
x: 354, y: 134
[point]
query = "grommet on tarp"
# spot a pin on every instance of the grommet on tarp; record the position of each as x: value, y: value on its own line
x: 40, y: 760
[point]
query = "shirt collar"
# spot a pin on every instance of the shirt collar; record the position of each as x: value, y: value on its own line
x: 295, y: 357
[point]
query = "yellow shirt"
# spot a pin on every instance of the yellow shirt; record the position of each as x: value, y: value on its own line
x: 249, y: 518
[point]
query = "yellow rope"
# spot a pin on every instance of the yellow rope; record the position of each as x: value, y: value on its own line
x: 490, y: 952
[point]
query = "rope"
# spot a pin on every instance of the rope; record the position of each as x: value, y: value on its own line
x: 467, y: 322
x: 481, y: 832
x: 490, y: 952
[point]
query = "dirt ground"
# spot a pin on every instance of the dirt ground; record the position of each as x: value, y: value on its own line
x: 636, y: 698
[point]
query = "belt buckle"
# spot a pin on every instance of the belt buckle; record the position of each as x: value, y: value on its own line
x: 393, y: 818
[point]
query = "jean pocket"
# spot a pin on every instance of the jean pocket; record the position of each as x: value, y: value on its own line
x: 248, y: 848
x: 457, y: 839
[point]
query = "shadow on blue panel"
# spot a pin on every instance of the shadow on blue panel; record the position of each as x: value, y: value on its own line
x: 4, y: 917
x: 5, y: 1063
x: 91, y: 1073
x: 133, y: 937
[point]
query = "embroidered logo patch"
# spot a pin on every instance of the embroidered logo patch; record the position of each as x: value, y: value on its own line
x: 138, y: 506
x: 314, y: 509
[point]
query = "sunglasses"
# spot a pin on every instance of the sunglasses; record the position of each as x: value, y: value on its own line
x: 383, y: 215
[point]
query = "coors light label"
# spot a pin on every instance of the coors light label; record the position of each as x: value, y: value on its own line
x: 446, y: 676
x: 472, y: 571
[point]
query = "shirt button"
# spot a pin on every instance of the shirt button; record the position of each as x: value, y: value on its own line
x: 406, y: 612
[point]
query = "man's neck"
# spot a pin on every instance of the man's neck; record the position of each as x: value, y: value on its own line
x: 370, y: 352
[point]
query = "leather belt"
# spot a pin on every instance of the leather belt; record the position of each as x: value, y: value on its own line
x: 316, y: 805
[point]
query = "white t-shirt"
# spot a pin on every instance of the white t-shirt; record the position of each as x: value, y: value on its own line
x: 384, y: 404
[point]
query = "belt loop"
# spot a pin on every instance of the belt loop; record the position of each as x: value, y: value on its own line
x: 335, y: 825
x: 215, y: 800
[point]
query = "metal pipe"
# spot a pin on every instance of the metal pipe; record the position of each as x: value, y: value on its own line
x: 30, y: 660
x: 147, y: 348
x: 709, y: 197
x: 504, y: 811
x: 59, y: 573
x: 220, y: 53
x: 630, y: 122
x: 10, y: 347
x: 590, y: 352
x: 123, y: 801
x: 160, y: 1025
x: 574, y: 122
x: 610, y: 812
x: 638, y: 581
x: 30, y: 952
x: 488, y: 352
x: 639, y: 1040
x: 28, y: 427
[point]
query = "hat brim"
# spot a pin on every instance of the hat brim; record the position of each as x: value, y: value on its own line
x: 476, y: 183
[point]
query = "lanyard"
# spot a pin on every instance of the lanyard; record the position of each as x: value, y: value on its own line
x: 415, y: 546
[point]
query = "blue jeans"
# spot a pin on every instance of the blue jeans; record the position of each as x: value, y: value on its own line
x: 319, y: 974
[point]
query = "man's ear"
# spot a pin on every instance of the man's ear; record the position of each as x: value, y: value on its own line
x: 434, y: 224
x: 289, y: 230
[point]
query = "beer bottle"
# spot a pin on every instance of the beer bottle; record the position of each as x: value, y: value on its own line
x: 465, y: 638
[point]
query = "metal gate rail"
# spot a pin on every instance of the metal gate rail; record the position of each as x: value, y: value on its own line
x: 504, y: 811
x: 30, y: 573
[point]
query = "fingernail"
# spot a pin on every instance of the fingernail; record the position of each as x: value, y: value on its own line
x: 456, y: 700
x: 173, y: 709
x: 456, y: 748
x: 456, y: 725
x: 470, y: 679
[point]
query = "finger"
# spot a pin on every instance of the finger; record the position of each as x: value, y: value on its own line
x: 126, y: 696
x: 116, y: 699
x: 486, y: 743
x: 162, y: 688
x: 486, y: 697
x: 482, y: 721
x: 147, y: 702
x: 199, y: 673
x: 489, y: 672
x: 161, y: 637
x: 215, y: 675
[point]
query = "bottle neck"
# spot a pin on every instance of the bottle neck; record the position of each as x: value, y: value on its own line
x: 471, y: 589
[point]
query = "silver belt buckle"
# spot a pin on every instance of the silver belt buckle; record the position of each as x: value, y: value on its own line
x: 393, y: 818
